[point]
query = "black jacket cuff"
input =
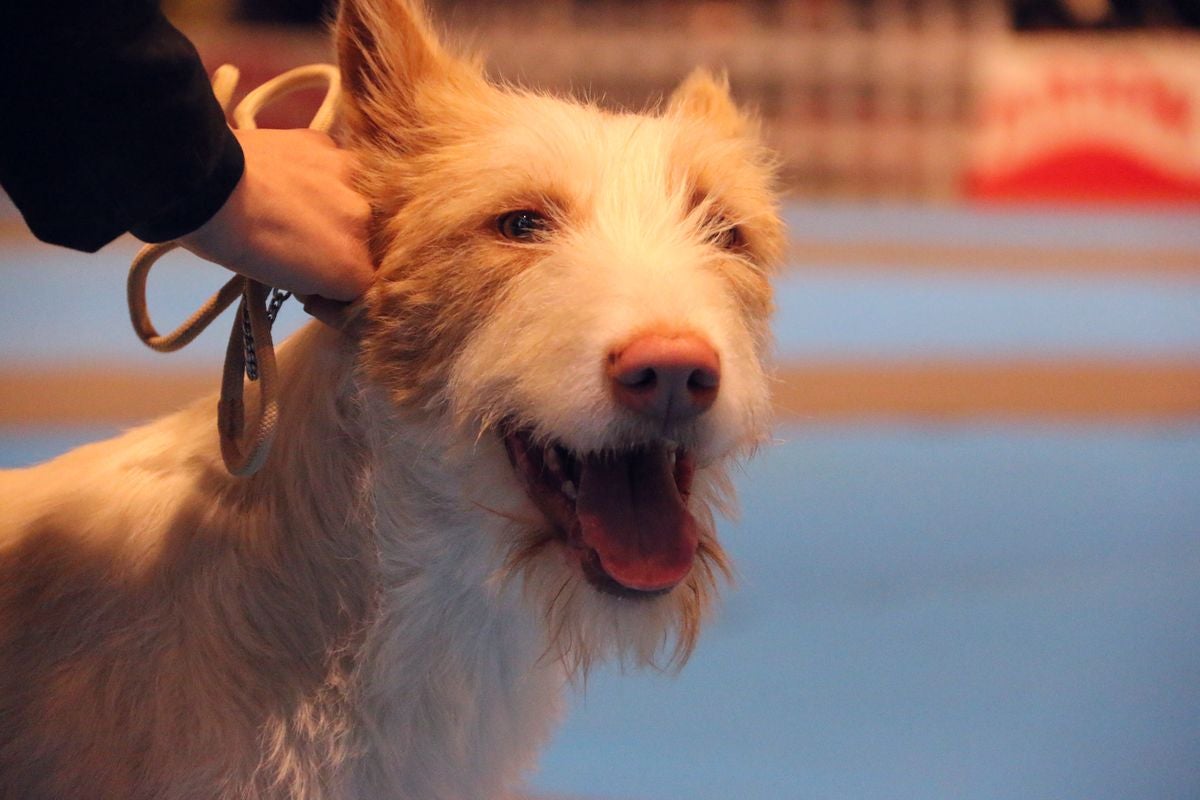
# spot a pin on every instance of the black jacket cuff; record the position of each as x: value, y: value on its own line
x: 197, y: 205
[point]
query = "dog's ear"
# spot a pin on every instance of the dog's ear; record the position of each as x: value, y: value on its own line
x: 704, y: 97
x: 387, y: 52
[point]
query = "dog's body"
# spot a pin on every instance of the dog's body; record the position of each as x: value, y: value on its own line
x: 461, y: 510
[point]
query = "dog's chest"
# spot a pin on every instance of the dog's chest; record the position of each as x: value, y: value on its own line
x: 456, y: 696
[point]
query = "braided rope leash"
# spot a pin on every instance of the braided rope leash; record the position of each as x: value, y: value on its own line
x: 250, y: 352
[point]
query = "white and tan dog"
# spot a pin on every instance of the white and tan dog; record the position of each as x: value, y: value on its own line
x: 507, y: 478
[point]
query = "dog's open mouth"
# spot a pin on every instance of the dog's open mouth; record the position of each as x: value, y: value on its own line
x: 624, y: 514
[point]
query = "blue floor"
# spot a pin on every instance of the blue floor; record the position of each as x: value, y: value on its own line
x: 959, y: 225
x: 935, y: 612
x: 921, y: 612
x: 932, y: 613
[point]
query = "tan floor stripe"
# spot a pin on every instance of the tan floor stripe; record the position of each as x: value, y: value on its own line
x: 91, y: 395
x: 943, y: 390
x: 1018, y: 390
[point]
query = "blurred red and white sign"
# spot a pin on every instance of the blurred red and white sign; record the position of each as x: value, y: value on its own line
x: 1088, y: 118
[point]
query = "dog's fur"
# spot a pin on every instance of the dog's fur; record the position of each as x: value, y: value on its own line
x: 383, y: 611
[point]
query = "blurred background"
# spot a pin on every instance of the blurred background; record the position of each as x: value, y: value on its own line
x: 969, y: 567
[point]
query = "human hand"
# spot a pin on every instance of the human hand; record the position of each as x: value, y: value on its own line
x: 294, y: 221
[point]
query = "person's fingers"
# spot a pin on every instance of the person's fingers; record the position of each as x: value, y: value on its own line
x: 295, y: 221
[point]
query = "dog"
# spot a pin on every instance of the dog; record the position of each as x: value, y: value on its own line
x: 508, y: 475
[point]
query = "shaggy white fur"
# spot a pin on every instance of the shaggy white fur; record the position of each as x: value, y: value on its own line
x: 392, y: 606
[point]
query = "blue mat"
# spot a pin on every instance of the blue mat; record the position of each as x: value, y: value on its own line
x: 931, y: 613
x: 922, y: 612
x: 982, y: 226
x: 925, y: 612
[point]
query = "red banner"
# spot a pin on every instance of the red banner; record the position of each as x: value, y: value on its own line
x: 1089, y: 119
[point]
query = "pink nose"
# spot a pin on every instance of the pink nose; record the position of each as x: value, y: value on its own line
x: 670, y: 378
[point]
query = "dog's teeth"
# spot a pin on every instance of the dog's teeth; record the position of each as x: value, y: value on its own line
x: 552, y: 460
x: 568, y: 488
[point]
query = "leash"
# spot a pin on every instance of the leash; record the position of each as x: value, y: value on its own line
x: 250, y: 352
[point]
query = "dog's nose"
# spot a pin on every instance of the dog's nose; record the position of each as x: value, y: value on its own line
x: 670, y: 378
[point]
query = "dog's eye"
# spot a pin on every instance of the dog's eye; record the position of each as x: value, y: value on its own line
x: 521, y: 226
x: 726, y: 235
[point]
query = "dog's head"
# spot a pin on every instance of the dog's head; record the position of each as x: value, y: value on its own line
x: 581, y: 294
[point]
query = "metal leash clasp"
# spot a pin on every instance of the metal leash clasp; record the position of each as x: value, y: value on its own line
x: 278, y: 298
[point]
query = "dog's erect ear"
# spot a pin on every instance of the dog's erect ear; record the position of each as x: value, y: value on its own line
x: 703, y: 97
x: 386, y: 51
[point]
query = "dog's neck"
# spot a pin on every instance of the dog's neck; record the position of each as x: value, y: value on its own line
x: 451, y: 647
x: 429, y: 496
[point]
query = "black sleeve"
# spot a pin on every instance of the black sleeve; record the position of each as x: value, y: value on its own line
x: 108, y: 123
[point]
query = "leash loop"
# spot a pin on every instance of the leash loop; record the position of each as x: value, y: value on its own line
x: 251, y: 351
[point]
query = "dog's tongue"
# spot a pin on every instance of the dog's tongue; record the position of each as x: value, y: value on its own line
x: 631, y: 513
